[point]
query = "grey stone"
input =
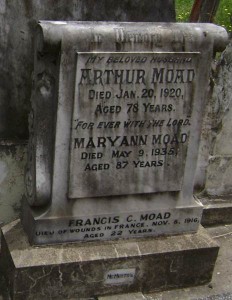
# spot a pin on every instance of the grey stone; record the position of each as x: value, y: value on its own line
x: 112, y: 218
x: 219, y: 170
x: 134, y: 296
x: 16, y: 49
x: 13, y: 158
x: 224, y: 296
x: 78, y: 270
x: 216, y: 133
x: 125, y: 131
x: 66, y: 192
x: 219, y: 174
x: 216, y: 211
x: 221, y: 283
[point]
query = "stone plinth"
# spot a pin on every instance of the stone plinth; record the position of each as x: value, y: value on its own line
x: 112, y: 218
x: 95, y: 269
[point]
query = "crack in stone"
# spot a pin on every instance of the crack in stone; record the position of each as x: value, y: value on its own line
x: 35, y: 280
x: 116, y: 251
x: 138, y: 249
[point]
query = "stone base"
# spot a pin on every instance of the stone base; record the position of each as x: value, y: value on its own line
x: 112, y: 218
x: 216, y: 211
x: 96, y: 269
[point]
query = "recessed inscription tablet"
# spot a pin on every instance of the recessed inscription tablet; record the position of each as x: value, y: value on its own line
x: 131, y: 122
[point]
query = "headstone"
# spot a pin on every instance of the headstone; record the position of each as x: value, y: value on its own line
x: 114, y: 134
x: 115, y: 126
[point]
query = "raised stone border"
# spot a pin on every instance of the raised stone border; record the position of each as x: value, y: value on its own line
x: 80, y: 270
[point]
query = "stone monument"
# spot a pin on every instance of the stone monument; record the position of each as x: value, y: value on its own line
x: 115, y: 128
x: 114, y: 135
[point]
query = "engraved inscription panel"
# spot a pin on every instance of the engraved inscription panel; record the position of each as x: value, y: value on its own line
x: 121, y: 225
x: 131, y: 122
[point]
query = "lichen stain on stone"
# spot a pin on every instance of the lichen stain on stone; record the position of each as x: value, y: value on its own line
x: 3, y: 171
x: 2, y: 6
x: 17, y: 206
x: 28, y: 7
x: 45, y: 84
x: 8, y: 151
x: 10, y: 148
x: 12, y: 165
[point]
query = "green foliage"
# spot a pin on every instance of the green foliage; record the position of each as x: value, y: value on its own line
x: 183, y: 9
x: 224, y: 14
x: 222, y: 18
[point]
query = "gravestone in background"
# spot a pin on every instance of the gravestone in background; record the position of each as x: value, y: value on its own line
x: 115, y: 126
x: 18, y: 19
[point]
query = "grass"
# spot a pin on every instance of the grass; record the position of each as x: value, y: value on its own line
x: 224, y: 14
x: 183, y: 9
x: 222, y: 18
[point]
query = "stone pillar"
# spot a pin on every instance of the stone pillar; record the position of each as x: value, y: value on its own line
x: 218, y: 185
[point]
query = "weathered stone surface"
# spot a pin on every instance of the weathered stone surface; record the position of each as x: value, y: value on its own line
x: 216, y: 134
x: 220, y: 286
x: 79, y: 270
x: 222, y: 103
x: 216, y: 211
x: 112, y: 218
x: 168, y: 87
x: 219, y: 171
x: 204, y: 149
x: 131, y: 119
x: 219, y: 174
x: 16, y: 49
x: 134, y: 296
x: 13, y: 156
